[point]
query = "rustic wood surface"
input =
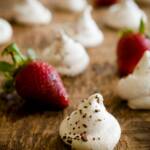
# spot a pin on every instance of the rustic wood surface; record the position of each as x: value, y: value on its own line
x: 24, y: 129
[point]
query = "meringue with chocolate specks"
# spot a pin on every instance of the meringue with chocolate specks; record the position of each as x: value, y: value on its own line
x: 125, y: 14
x: 32, y: 12
x: 90, y: 127
x: 70, y: 5
x: 135, y: 88
x: 86, y: 31
x: 68, y: 56
x: 6, y: 31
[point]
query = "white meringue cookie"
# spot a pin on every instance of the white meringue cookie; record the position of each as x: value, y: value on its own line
x: 86, y: 31
x: 68, y: 56
x: 32, y: 12
x: 136, y: 87
x: 90, y: 126
x: 125, y: 14
x: 6, y: 31
x: 70, y: 5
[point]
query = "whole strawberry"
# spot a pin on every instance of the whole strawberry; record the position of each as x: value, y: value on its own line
x: 104, y: 2
x: 33, y: 80
x: 130, y: 49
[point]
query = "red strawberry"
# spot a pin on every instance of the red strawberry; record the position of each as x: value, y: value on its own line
x: 130, y: 49
x: 104, y: 2
x: 34, y: 80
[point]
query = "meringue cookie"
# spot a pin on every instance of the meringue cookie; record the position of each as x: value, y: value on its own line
x: 125, y: 14
x: 90, y: 126
x: 68, y: 56
x: 136, y: 87
x: 6, y: 31
x: 86, y: 30
x: 32, y: 12
x: 70, y: 5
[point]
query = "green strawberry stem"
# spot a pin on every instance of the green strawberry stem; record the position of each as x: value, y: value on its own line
x: 142, y: 27
x: 125, y: 32
x: 9, y: 70
x: 15, y: 54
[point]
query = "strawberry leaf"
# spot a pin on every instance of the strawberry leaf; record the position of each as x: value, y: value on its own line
x: 15, y: 53
x: 11, y: 70
x: 8, y: 85
x: 6, y: 67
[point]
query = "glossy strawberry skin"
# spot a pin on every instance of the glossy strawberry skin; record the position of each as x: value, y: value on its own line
x: 105, y: 2
x: 40, y: 82
x: 130, y: 50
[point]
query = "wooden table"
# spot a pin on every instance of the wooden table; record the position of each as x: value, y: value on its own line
x: 23, y: 129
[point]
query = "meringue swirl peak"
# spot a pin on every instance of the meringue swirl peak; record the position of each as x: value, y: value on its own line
x: 85, y: 30
x: 67, y: 55
x: 125, y: 14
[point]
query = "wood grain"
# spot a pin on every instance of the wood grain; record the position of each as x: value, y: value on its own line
x: 23, y: 128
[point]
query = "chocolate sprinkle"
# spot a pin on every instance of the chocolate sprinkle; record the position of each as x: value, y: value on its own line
x: 97, y: 98
x: 96, y: 110
x: 84, y: 137
x: 76, y: 122
x: 85, y: 106
x: 69, y: 141
x: 84, y: 116
x: 80, y: 111
x: 77, y: 137
x: 64, y: 137
x: 84, y: 125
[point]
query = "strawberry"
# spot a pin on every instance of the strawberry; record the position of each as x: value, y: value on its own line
x: 33, y: 80
x: 104, y: 2
x: 130, y: 49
